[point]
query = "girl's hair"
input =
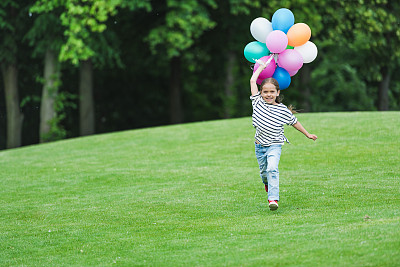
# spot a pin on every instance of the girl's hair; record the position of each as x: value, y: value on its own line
x: 279, y: 98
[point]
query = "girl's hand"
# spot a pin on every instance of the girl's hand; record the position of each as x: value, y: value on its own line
x: 261, y: 63
x: 312, y: 136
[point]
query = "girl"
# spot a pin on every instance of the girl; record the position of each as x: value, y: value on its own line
x: 269, y: 117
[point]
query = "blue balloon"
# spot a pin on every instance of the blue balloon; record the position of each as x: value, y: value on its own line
x: 283, y: 77
x: 282, y: 20
x: 255, y: 50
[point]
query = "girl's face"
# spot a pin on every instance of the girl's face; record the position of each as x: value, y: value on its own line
x: 269, y: 93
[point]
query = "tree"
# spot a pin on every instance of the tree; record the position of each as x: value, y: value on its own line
x: 382, y: 21
x: 46, y: 38
x: 232, y: 17
x: 370, y: 30
x: 181, y: 25
x: 13, y: 24
x: 83, y: 21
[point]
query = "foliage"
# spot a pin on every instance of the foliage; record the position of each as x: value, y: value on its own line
x: 339, y: 88
x: 14, y: 22
x: 184, y: 23
x: 45, y: 33
x: 64, y: 101
x: 80, y: 19
x: 82, y: 24
x: 162, y: 197
x: 371, y: 30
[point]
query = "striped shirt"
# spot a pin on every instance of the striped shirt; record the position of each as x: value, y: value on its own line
x: 269, y: 121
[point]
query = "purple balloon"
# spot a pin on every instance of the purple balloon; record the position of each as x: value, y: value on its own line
x: 269, y: 70
x: 290, y: 60
x: 277, y: 41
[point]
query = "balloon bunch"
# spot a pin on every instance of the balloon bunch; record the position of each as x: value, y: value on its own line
x: 281, y: 42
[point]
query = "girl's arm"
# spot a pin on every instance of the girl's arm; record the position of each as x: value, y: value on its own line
x: 254, y: 77
x: 300, y: 127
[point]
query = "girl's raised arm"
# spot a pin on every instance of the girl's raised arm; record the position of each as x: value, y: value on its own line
x: 254, y: 77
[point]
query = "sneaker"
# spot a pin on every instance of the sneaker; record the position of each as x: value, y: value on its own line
x: 273, y: 204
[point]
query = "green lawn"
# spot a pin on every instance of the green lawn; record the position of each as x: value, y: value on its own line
x: 191, y: 195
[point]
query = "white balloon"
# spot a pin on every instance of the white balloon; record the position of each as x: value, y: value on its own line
x: 308, y: 51
x: 260, y: 28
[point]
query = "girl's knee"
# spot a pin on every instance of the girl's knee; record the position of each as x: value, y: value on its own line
x: 272, y: 170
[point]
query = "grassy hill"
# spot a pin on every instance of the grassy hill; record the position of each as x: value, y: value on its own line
x: 190, y: 195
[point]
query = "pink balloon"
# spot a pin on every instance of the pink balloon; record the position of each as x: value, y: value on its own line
x: 293, y: 72
x: 290, y: 60
x: 277, y: 41
x: 259, y: 81
x: 269, y: 70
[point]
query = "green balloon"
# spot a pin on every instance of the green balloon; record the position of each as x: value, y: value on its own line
x: 255, y: 50
x: 290, y: 47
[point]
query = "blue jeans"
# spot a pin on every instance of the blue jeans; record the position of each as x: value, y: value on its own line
x: 268, y: 160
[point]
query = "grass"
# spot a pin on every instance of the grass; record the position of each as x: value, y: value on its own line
x: 190, y: 195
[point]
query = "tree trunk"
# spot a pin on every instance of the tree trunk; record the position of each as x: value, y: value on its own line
x: 383, y: 94
x: 86, y: 103
x: 305, y: 85
x: 49, y: 94
x: 229, y: 85
x: 175, y: 110
x: 14, y: 115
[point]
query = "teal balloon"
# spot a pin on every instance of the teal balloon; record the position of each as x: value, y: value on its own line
x: 282, y: 20
x: 255, y: 50
x: 283, y: 77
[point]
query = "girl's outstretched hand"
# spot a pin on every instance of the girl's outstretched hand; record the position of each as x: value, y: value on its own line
x: 312, y: 136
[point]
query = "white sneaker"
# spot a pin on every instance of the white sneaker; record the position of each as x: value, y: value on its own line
x: 273, y: 205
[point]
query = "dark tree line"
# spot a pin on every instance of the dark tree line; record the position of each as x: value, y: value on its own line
x: 71, y: 69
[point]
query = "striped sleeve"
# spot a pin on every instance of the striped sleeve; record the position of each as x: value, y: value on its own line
x: 286, y: 115
x: 255, y: 98
x: 292, y: 119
